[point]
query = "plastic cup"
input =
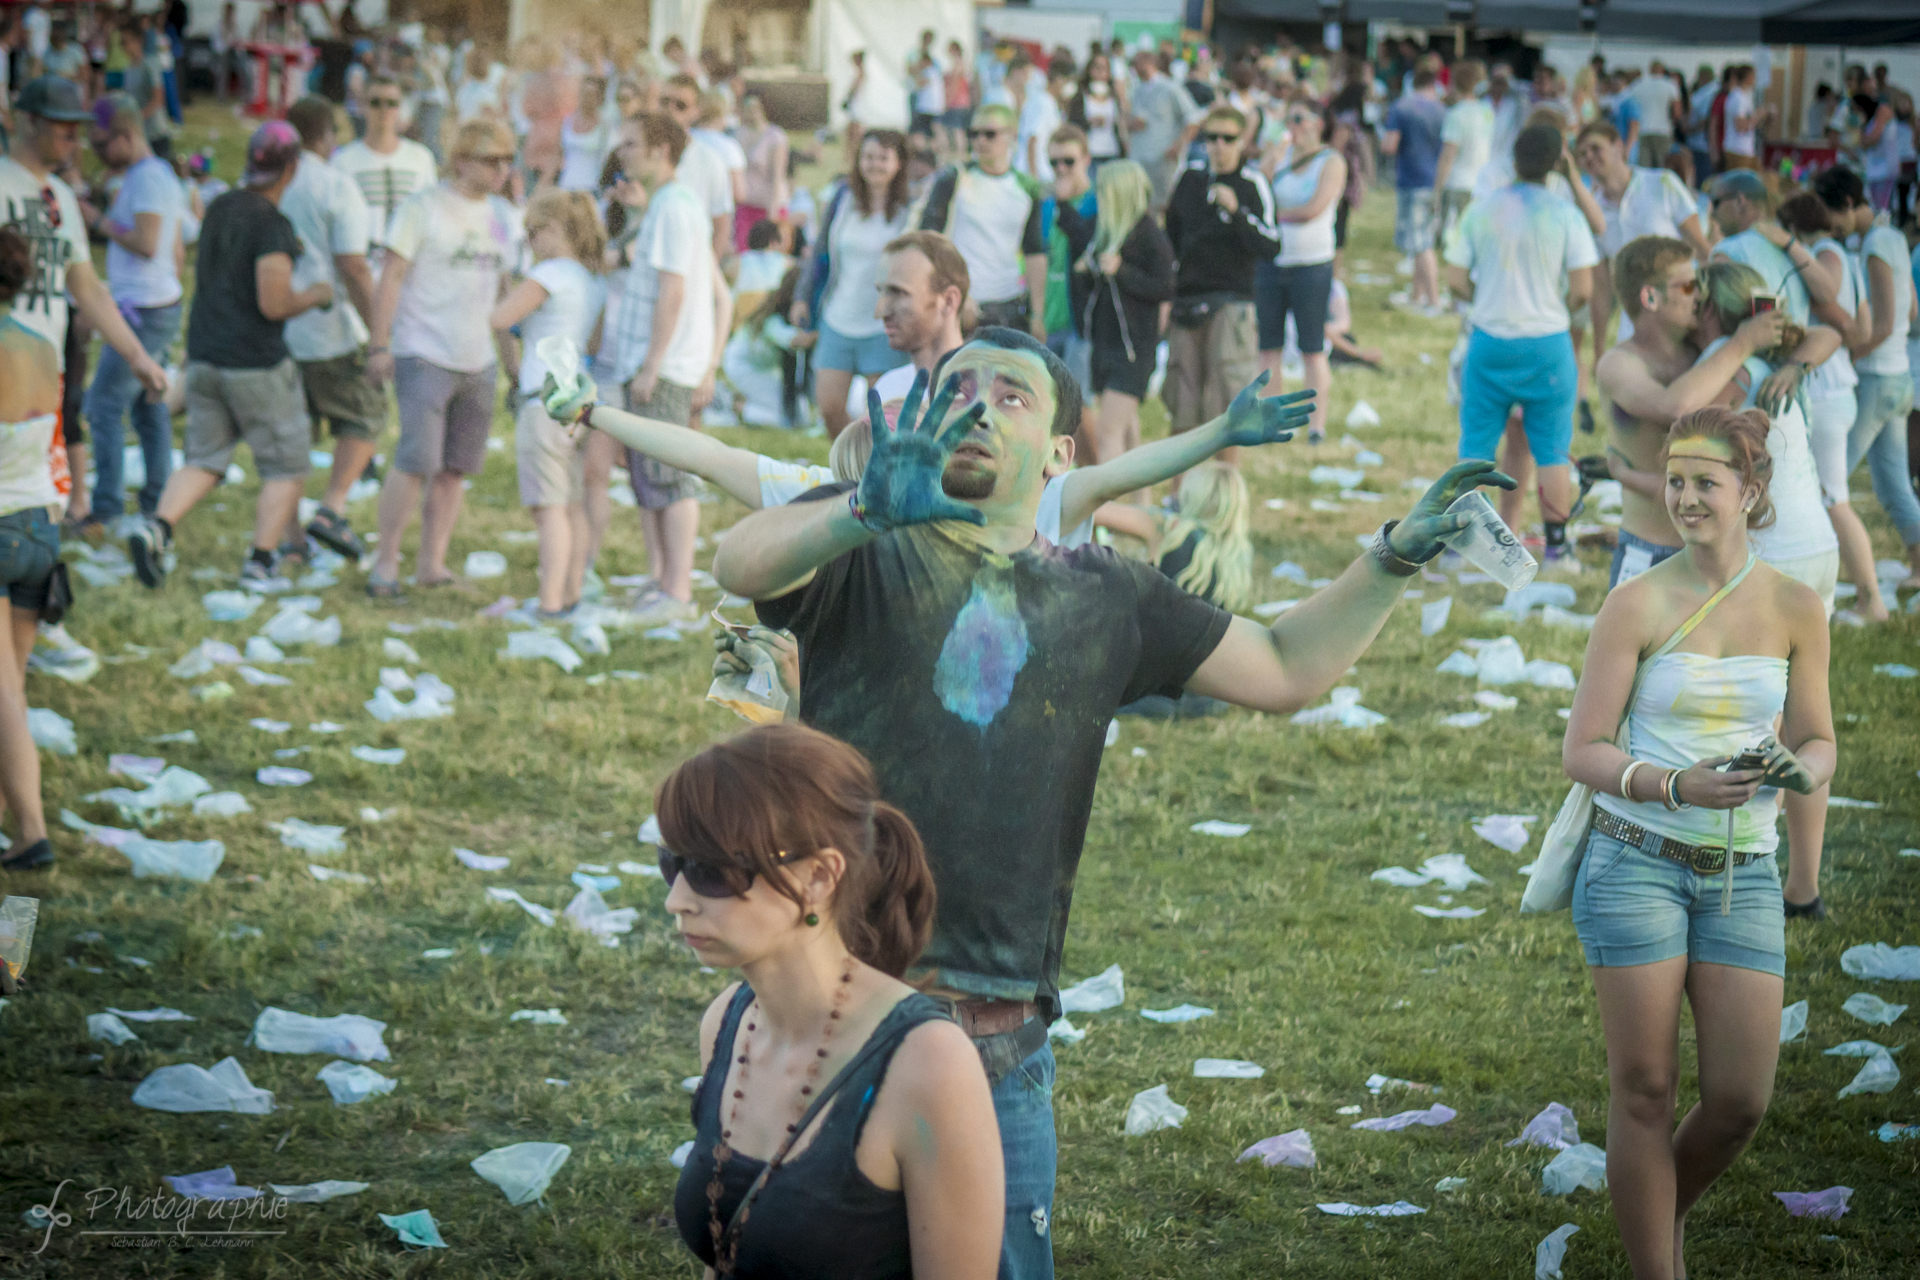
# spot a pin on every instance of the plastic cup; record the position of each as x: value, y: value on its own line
x: 1489, y: 544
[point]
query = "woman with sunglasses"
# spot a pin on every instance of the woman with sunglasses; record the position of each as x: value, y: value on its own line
x: 843, y: 1124
x: 1298, y: 281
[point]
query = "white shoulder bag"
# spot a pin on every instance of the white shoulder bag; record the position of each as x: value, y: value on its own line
x: 1551, y: 886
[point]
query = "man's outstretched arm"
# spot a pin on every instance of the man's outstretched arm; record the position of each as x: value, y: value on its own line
x: 1284, y: 667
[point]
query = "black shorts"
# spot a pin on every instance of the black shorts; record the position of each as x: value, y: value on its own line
x: 73, y: 391
x: 1112, y: 371
x: 1340, y: 223
x: 1303, y: 290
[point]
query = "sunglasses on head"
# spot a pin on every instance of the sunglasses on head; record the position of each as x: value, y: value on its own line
x: 708, y: 879
x: 1222, y: 137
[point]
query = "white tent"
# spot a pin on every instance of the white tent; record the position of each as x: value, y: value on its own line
x: 889, y: 34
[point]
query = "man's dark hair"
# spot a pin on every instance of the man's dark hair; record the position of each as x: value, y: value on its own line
x: 658, y: 129
x: 1535, y: 151
x: 312, y: 119
x: 1066, y: 391
x: 1424, y: 77
x: 1839, y: 188
x: 763, y: 234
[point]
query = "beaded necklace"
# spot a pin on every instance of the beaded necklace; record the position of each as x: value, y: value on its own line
x: 726, y: 1237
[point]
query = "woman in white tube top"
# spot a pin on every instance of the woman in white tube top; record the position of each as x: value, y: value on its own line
x: 1661, y: 908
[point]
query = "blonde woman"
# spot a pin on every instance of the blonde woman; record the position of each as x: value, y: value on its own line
x: 1122, y: 275
x: 562, y: 297
x: 1710, y: 650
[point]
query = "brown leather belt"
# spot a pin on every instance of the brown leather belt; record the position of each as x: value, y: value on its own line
x: 981, y: 1018
x: 1704, y: 859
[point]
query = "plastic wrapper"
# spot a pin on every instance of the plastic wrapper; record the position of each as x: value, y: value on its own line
x: 186, y: 1087
x: 1554, y: 1127
x: 1551, y: 1252
x: 221, y: 804
x: 109, y: 1027
x: 541, y: 644
x: 1793, y: 1021
x: 1107, y: 990
x: 756, y: 696
x: 214, y: 1184
x: 350, y: 1083
x: 52, y: 731
x: 1871, y: 1009
x: 310, y: 837
x: 1152, y: 1109
x: 523, y: 1170
x: 1292, y: 1150
x: 194, y: 860
x: 317, y: 1192
x: 345, y: 1035
x: 1226, y: 1069
x: 1581, y: 1165
x: 17, y: 918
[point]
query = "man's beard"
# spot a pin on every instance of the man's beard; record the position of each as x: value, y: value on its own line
x: 969, y: 483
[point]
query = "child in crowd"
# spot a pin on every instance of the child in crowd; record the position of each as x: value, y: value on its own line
x: 562, y: 297
x: 1204, y: 546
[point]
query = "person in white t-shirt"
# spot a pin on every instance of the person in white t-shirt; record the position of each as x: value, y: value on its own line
x: 1739, y: 145
x: 142, y: 229
x: 561, y: 298
x: 388, y: 167
x: 331, y: 218
x: 1466, y: 144
x: 1637, y: 202
x: 1655, y: 94
x: 449, y: 254
x: 929, y: 93
x: 1524, y: 257
x: 703, y: 170
x: 660, y: 349
x: 1039, y: 116
x: 991, y: 212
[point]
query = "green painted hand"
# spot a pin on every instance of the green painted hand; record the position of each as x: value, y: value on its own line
x: 1418, y: 537
x: 901, y: 485
x: 1253, y: 420
x: 1784, y: 769
x: 565, y: 405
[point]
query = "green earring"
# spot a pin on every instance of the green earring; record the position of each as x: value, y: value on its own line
x: 813, y: 918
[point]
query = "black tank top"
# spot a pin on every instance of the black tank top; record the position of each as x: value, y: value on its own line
x: 818, y: 1215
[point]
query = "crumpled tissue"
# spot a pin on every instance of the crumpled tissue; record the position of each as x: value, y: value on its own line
x: 1554, y: 1127
x: 1505, y: 830
x: 350, y: 1083
x: 1152, y: 1109
x: 186, y: 1087
x: 416, y: 1229
x: 524, y: 1169
x: 1226, y: 1069
x: 1552, y: 1251
x: 1877, y: 1075
x: 1873, y: 1010
x: 108, y: 1027
x: 1793, y: 1021
x: 345, y: 1035
x: 1398, y: 1209
x: 481, y: 861
x: 1179, y: 1013
x: 1437, y: 1114
x: 1294, y: 1150
x: 1878, y: 960
x: 1343, y: 708
x: 1581, y: 1165
x: 589, y: 911
x: 310, y: 837
x: 214, y: 1184
x: 541, y: 644
x: 317, y: 1192
x: 1107, y: 990
x: 543, y: 914
x: 1831, y: 1203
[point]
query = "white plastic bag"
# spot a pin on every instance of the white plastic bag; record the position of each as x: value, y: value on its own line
x: 1554, y: 1127
x: 1293, y: 1150
x: 484, y: 564
x: 310, y: 837
x: 350, y: 1083
x: 589, y: 911
x: 1552, y: 1251
x: 297, y: 626
x: 1226, y: 1069
x: 194, y: 860
x: 1152, y: 1109
x: 345, y: 1035
x: 1793, y: 1021
x: 52, y: 731
x: 1581, y: 1165
x: 524, y: 1169
x: 186, y: 1087
x: 1871, y: 1009
x: 108, y: 1027
x: 1879, y: 1074
x: 541, y: 644
x: 1501, y: 662
x: 1107, y: 990
x: 1878, y: 960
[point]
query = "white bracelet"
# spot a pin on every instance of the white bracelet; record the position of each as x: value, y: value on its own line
x: 1626, y: 777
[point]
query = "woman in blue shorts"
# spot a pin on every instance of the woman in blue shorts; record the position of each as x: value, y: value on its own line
x: 1678, y: 893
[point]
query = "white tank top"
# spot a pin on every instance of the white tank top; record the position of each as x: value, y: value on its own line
x: 26, y: 464
x: 1304, y: 243
x: 582, y: 156
x: 1835, y: 376
x: 1800, y: 526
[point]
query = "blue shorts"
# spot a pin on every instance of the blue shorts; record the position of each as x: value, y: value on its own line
x: 1633, y: 556
x: 1634, y: 908
x: 867, y: 356
x: 1538, y: 374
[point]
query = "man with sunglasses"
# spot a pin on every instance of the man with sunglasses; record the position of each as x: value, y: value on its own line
x: 1742, y: 209
x: 1220, y: 220
x: 387, y: 167
x: 992, y: 214
x: 702, y: 169
x: 1651, y: 379
x: 978, y: 666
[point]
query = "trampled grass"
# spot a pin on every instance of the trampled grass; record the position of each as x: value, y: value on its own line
x: 1317, y: 973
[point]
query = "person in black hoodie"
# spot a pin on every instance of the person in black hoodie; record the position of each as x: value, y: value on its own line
x: 1122, y: 274
x: 1220, y: 222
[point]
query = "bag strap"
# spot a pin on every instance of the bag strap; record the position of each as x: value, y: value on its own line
x: 1681, y: 633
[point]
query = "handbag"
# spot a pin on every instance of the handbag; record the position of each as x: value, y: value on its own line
x: 59, y: 595
x: 1550, y: 888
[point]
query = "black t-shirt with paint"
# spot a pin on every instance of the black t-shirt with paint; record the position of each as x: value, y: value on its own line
x: 980, y: 686
x: 226, y: 328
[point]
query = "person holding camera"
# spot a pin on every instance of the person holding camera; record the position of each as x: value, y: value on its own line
x: 1678, y: 892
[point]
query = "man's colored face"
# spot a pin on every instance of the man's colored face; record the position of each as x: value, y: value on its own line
x: 1004, y: 457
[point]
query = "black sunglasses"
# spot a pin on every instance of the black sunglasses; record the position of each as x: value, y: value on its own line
x: 1221, y: 137
x: 977, y: 134
x: 384, y: 102
x: 1062, y: 162
x: 708, y: 879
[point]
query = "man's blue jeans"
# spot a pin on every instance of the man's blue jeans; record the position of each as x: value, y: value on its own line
x: 1023, y: 1104
x: 114, y: 393
x: 1880, y: 436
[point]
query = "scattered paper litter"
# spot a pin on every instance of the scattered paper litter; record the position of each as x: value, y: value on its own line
x: 108, y: 1027
x: 541, y: 644
x: 481, y: 861
x: 1065, y: 1032
x: 1152, y: 1109
x: 484, y: 564
x: 317, y: 1192
x: 1448, y: 913
x: 589, y: 911
x: 1505, y: 830
x: 1793, y: 1021
x: 1872, y: 1009
x: 310, y: 837
x: 214, y: 1184
x: 395, y: 650
x: 1581, y: 1165
x: 1179, y: 1013
x: 350, y: 1083
x: 1437, y: 1114
x: 185, y: 1087
x: 328, y: 873
x: 416, y: 1229
x: 1215, y: 827
x: 1879, y: 1074
x: 543, y: 914
x: 1292, y: 1150
x: 275, y: 775
x: 1343, y: 708
x: 379, y: 755
x: 1226, y: 1069
x: 1434, y: 615
x: 270, y: 726
x: 540, y: 1017
x: 162, y: 1014
x: 1362, y: 416
x: 345, y: 1035
x: 1831, y: 1203
x: 1450, y: 869
x: 523, y: 1170
x: 1465, y: 719
x: 1398, y: 1209
x: 1107, y: 990
x: 1447, y: 1186
x: 1878, y: 960
x: 1554, y: 1127
x: 1551, y: 1252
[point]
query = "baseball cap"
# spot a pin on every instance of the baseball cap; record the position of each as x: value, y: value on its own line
x: 1739, y: 182
x: 53, y: 98
x: 273, y: 146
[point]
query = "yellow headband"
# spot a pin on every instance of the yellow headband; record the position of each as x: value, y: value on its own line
x: 1705, y: 448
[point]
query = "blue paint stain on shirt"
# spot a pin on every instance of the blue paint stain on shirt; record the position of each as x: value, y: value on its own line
x: 983, y: 653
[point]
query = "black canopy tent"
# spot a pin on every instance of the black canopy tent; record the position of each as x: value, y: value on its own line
x: 1846, y: 22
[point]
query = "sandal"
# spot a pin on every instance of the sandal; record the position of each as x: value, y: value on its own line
x: 1815, y: 910
x: 389, y: 592
x: 30, y: 858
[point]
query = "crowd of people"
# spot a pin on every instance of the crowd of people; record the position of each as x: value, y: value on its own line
x: 975, y: 311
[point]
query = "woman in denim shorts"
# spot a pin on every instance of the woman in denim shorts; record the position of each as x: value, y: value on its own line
x: 1659, y: 912
x: 29, y: 541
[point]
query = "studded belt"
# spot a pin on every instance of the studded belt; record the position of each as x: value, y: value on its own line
x: 1705, y: 860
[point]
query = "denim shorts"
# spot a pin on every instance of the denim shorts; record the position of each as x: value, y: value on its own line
x: 29, y: 546
x: 1633, y: 908
x: 870, y: 356
x: 1633, y: 556
x: 1300, y: 289
x: 1415, y: 219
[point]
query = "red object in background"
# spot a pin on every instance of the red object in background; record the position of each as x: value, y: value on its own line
x: 295, y: 63
x: 1810, y: 158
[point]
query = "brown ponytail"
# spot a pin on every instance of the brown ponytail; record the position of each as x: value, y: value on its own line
x: 786, y: 789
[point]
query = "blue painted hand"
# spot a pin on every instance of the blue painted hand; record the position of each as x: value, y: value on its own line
x: 1418, y: 537
x: 1251, y: 420
x: 901, y: 485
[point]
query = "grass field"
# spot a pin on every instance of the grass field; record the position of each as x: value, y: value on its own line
x: 1317, y: 973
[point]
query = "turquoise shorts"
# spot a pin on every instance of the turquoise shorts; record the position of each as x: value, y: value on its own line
x: 1633, y: 908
